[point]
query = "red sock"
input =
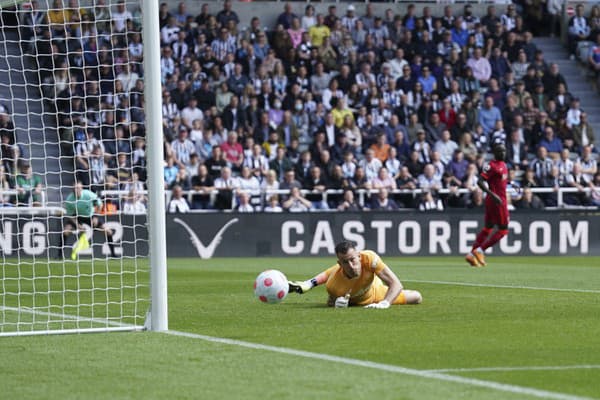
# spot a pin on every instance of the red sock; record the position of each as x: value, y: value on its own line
x: 500, y: 233
x: 481, y: 237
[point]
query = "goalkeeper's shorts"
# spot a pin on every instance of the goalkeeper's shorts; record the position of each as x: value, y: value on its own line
x: 377, y: 293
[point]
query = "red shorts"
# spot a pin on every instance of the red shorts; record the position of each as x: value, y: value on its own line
x: 496, y: 214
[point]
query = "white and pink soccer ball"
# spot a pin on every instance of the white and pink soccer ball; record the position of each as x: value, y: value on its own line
x: 271, y: 286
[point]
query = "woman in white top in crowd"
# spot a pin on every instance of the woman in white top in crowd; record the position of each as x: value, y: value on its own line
x: 135, y: 203
x: 273, y: 205
x: 309, y: 19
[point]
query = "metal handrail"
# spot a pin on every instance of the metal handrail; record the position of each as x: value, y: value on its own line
x: 361, y: 193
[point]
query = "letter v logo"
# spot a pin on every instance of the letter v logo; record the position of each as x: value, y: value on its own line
x: 205, y: 251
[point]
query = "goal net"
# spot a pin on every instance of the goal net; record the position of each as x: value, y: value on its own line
x: 74, y: 249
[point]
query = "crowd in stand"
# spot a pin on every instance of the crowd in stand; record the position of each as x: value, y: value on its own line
x: 317, y: 102
x: 18, y: 185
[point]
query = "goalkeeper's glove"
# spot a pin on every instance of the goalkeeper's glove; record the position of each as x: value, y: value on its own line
x: 300, y: 287
x: 381, y: 305
x: 342, y: 302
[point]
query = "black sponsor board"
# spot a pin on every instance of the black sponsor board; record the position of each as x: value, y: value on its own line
x: 392, y: 234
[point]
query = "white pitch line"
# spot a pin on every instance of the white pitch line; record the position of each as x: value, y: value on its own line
x: 503, y: 387
x: 509, y: 369
x: 502, y: 286
x: 64, y: 316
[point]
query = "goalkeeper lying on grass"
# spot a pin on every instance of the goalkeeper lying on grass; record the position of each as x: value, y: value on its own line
x: 359, y: 278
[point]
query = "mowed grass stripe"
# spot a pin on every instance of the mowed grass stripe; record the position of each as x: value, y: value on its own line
x: 509, y: 369
x: 388, y: 368
x: 490, y: 285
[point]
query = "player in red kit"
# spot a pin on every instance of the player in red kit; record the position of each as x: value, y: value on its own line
x: 493, y: 182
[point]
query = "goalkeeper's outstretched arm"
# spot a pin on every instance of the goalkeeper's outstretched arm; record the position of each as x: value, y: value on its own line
x: 302, y: 287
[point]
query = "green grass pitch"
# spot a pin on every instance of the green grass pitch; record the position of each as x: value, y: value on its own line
x: 523, y: 327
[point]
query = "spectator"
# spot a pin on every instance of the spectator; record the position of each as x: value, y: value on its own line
x: 318, y: 31
x: 370, y: 164
x: 429, y: 203
x: 183, y: 148
x: 295, y: 32
x: 574, y: 113
x: 248, y: 182
x: 290, y: 181
x: 392, y: 164
x: 359, y: 180
x: 286, y: 17
x: 204, y: 184
x: 29, y: 186
x: 595, y: 192
x: 453, y: 199
x: 134, y: 204
x: 216, y: 162
x: 458, y: 166
x: 382, y: 202
x: 480, y: 66
x: 296, y: 202
x: 233, y: 116
x: 488, y: 115
x: 227, y: 14
x: 349, y: 202
x: 551, y: 143
x: 120, y: 17
x: 552, y: 79
x: 244, y: 205
x: 273, y: 205
x: 233, y: 151
x: 10, y: 153
x: 589, y: 165
x: 178, y: 204
x: 445, y: 146
x: 593, y: 59
x: 576, y: 179
x: 583, y: 133
x: 270, y: 182
x: 226, y: 184
x: 516, y: 154
x: 476, y: 200
x: 422, y: 147
x: 519, y: 67
x: 381, y: 148
x: 578, y: 29
x: 428, y: 179
x: 170, y: 32
x: 309, y: 19
x: 564, y: 164
x: 317, y: 184
x: 529, y: 201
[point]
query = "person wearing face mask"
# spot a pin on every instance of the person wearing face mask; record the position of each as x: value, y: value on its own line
x: 359, y: 278
x: 301, y: 120
x: 275, y: 114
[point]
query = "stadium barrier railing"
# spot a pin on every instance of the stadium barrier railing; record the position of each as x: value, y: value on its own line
x: 13, y: 193
x: 260, y: 197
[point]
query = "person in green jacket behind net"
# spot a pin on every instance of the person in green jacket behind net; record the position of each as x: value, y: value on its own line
x: 80, y: 211
x: 29, y: 186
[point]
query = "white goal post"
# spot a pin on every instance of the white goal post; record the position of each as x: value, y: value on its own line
x: 80, y: 103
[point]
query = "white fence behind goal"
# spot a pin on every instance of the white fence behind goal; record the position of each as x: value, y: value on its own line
x: 71, y: 109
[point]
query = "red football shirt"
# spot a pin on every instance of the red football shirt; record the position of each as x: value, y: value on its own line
x: 496, y: 175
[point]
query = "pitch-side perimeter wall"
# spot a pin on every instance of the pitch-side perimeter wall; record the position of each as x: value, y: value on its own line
x: 315, y: 234
x: 391, y: 234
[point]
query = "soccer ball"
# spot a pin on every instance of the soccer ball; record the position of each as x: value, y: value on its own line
x: 271, y: 286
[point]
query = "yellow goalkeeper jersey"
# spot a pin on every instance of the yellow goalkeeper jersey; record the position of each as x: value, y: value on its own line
x: 362, y: 289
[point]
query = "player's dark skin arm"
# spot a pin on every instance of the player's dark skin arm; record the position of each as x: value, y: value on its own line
x: 483, y: 186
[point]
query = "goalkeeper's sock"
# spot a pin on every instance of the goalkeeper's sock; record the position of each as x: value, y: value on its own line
x: 496, y: 237
x: 82, y: 244
x: 481, y: 237
x: 63, y: 240
x: 111, y: 245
